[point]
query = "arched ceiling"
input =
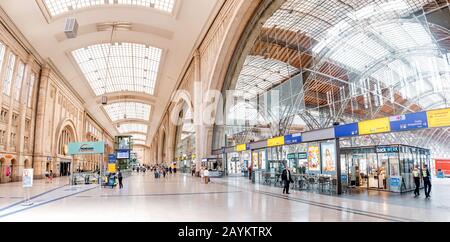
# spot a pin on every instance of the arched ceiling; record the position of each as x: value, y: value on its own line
x: 133, y: 52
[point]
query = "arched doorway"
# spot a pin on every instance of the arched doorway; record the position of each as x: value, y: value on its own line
x: 14, y: 170
x: 66, y: 136
x: 27, y: 164
x: 2, y: 170
x: 185, y: 140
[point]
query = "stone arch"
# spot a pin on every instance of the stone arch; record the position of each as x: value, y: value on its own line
x: 15, y: 176
x: 27, y: 164
x: 3, y: 170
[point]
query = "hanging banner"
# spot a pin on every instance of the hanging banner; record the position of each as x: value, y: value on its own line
x: 275, y: 141
x: 293, y: 139
x: 439, y: 118
x: 346, y: 130
x: 375, y: 126
x: 86, y: 148
x: 409, y: 122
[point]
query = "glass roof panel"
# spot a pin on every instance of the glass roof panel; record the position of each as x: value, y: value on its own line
x: 139, y: 142
x: 132, y: 128
x: 58, y: 7
x: 128, y: 110
x: 132, y: 67
x: 259, y: 74
x: 404, y: 35
x: 139, y: 137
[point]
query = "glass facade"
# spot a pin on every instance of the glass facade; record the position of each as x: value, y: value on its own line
x: 386, y: 168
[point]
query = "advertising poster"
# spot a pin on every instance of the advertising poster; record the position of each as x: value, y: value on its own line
x: 328, y: 155
x: 314, y: 158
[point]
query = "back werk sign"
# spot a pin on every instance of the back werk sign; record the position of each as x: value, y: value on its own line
x: 86, y: 148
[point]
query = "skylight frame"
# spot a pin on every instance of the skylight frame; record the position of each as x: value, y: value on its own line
x: 57, y: 8
x: 132, y: 67
x: 128, y: 110
x: 130, y: 128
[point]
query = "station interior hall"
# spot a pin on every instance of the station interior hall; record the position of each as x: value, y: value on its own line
x: 225, y: 110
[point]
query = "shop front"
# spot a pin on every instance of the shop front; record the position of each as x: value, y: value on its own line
x: 385, y: 168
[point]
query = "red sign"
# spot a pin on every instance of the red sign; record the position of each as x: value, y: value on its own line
x: 8, y: 171
x: 443, y: 165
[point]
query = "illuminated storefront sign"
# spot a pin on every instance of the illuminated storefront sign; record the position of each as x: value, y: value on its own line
x: 86, y: 148
x: 375, y: 126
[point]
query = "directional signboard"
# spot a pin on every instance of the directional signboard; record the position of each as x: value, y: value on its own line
x: 409, y: 122
x: 346, y: 130
x: 439, y: 118
x: 375, y: 126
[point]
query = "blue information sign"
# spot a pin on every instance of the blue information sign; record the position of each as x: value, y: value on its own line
x: 346, y: 130
x: 394, y: 182
x: 292, y: 139
x: 112, y: 158
x: 409, y: 122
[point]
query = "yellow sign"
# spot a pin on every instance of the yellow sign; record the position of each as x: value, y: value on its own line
x: 242, y: 147
x: 375, y: 126
x: 112, y: 168
x: 439, y: 118
x: 275, y: 141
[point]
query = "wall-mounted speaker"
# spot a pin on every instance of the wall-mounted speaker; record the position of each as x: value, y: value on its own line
x: 71, y: 28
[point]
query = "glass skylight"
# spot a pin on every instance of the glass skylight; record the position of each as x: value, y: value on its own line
x: 58, y: 7
x: 139, y: 142
x: 132, y: 67
x: 139, y: 137
x: 259, y: 74
x: 128, y: 110
x: 132, y: 128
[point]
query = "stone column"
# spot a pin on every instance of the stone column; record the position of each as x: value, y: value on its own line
x: 22, y: 114
x: 39, y: 157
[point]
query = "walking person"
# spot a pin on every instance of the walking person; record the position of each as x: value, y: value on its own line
x: 287, y: 179
x: 51, y: 176
x: 416, y: 175
x: 426, y: 181
x: 202, y: 174
x: 206, y: 175
x: 120, y: 176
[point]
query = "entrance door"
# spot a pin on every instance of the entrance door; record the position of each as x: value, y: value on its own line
x: 358, y: 170
x: 383, y: 168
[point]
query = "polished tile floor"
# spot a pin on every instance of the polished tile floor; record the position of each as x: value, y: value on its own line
x: 183, y: 198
